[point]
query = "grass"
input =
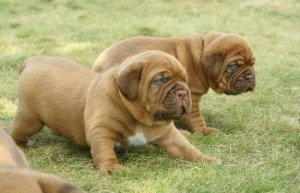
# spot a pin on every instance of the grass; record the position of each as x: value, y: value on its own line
x: 260, y: 140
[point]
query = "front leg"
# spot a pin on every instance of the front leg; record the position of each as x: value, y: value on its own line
x: 179, y: 147
x: 102, y: 145
x: 195, y: 120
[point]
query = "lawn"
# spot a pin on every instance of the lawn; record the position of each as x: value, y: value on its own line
x: 260, y: 140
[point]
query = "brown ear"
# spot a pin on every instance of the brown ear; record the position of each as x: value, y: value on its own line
x: 213, y: 51
x: 128, y: 81
x: 211, y: 36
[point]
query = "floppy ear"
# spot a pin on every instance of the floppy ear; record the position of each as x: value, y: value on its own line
x: 212, y: 52
x: 210, y: 58
x: 211, y: 36
x: 128, y: 81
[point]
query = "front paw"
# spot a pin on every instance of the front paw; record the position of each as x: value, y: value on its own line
x: 185, y: 133
x: 209, y: 131
x: 113, y: 168
x: 209, y: 159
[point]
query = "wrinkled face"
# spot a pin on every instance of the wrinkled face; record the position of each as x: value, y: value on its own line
x: 156, y: 82
x: 169, y: 97
x: 228, y: 62
x: 240, y: 77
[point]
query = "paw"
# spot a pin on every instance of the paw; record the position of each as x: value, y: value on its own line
x: 209, y: 131
x: 209, y: 159
x: 115, y: 168
x: 185, y: 133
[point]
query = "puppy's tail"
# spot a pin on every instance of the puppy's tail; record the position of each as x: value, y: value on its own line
x: 22, y: 67
x: 27, y: 61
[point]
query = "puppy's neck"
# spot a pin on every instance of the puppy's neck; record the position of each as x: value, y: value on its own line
x: 136, y: 111
x: 196, y: 70
x: 205, y: 82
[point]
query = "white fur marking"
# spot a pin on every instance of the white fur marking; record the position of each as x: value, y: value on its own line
x: 138, y: 139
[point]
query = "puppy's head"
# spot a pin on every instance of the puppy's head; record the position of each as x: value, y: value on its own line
x: 228, y: 62
x: 155, y: 83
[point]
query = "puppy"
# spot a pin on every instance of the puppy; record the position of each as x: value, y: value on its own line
x: 129, y: 105
x: 16, y: 177
x: 221, y: 61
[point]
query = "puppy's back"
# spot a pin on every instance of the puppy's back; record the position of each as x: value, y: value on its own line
x: 43, y: 77
x: 10, y: 154
x: 52, y: 91
x: 50, y: 62
x: 44, y: 83
x: 117, y: 53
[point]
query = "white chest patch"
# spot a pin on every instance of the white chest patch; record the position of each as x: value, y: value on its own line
x: 138, y: 139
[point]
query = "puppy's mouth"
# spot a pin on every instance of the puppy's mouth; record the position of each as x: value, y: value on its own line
x: 243, y: 83
x: 177, y: 115
x: 180, y: 112
x: 239, y: 90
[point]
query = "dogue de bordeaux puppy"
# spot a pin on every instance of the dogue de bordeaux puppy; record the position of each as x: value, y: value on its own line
x: 129, y: 105
x: 16, y: 177
x: 221, y: 61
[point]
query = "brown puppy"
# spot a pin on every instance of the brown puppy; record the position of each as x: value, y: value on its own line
x: 16, y: 177
x: 129, y: 105
x: 221, y: 61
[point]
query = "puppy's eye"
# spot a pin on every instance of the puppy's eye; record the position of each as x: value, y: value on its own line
x: 160, y: 80
x: 233, y: 66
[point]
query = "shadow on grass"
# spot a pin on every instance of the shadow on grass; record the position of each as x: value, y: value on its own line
x: 56, y: 148
x: 52, y: 145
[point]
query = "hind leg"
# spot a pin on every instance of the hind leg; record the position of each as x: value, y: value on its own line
x: 23, y: 126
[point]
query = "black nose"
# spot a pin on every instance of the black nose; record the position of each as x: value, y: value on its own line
x: 181, y: 94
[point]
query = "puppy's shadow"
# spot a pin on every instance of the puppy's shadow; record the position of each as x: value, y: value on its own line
x: 48, y: 145
x: 212, y: 120
x: 227, y: 124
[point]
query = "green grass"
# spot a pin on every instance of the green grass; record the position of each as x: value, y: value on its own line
x: 260, y: 140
